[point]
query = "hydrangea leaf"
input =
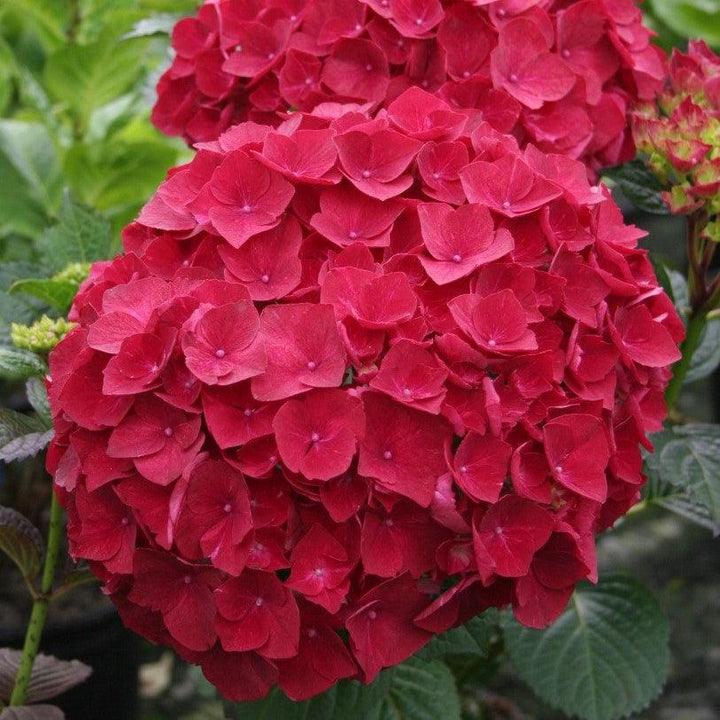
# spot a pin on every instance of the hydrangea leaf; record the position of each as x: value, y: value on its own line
x: 639, y: 186
x: 688, y: 458
x: 421, y: 691
x: 81, y: 235
x: 21, y: 541
x: 21, y: 436
x: 88, y: 76
x: 604, y: 658
x: 706, y: 358
x: 32, y: 712
x: 56, y: 293
x: 691, y: 18
x: 50, y: 676
x: 114, y: 174
x: 17, y: 364
x: 347, y: 699
x: 38, y: 398
x: 31, y: 187
x: 474, y: 638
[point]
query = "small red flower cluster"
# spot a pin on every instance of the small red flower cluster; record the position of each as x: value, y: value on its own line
x: 679, y: 133
x: 558, y: 73
x: 355, y: 381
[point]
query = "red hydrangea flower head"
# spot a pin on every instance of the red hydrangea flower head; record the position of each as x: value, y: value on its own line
x: 679, y: 133
x: 561, y: 74
x: 328, y: 404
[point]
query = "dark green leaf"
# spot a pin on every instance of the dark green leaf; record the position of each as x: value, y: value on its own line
x: 347, y: 699
x: 421, y: 691
x: 639, y: 185
x: 17, y: 364
x: 38, y: 399
x: 56, y: 293
x: 688, y: 457
x: 21, y: 436
x: 50, y: 676
x: 604, y: 658
x: 21, y: 541
x: 81, y: 235
x: 706, y: 358
x: 473, y: 638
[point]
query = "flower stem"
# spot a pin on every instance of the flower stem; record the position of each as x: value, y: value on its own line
x: 40, y: 606
x: 693, y: 335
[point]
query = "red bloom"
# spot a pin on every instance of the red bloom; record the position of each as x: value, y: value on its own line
x: 256, y: 612
x: 298, y: 440
x: 317, y: 434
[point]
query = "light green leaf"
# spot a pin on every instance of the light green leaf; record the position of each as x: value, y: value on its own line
x: 31, y: 183
x: 56, y: 293
x: 691, y: 18
x: 21, y: 541
x: 639, y: 185
x: 421, y: 691
x: 49, y: 17
x: 473, y: 638
x: 117, y: 174
x: 347, y: 699
x: 81, y: 235
x: 17, y: 364
x: 87, y: 77
x: 161, y: 24
x: 604, y: 658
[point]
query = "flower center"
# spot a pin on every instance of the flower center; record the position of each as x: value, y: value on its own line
x: 220, y: 353
x: 387, y: 455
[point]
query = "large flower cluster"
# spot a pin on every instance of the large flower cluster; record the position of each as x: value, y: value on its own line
x: 353, y: 382
x: 558, y: 73
x: 679, y: 133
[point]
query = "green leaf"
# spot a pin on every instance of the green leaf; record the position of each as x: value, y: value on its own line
x: 31, y: 182
x: 81, y: 235
x: 17, y: 364
x: 604, y: 658
x: 86, y: 77
x: 21, y: 436
x: 347, y: 699
x: 473, y: 638
x: 688, y: 457
x: 38, y: 398
x: 56, y: 293
x: 47, y: 16
x: 421, y: 691
x: 639, y: 185
x: 691, y: 18
x: 118, y: 173
x: 161, y: 24
x: 21, y: 541
x: 706, y: 358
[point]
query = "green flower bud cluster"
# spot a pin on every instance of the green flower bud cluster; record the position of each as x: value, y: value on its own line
x: 42, y: 336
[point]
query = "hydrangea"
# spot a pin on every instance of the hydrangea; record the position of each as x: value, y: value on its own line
x: 561, y: 74
x: 679, y: 133
x: 355, y: 381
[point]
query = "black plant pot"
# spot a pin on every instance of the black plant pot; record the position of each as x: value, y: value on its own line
x: 100, y: 641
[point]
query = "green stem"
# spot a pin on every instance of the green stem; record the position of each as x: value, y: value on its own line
x: 693, y: 335
x: 40, y: 606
